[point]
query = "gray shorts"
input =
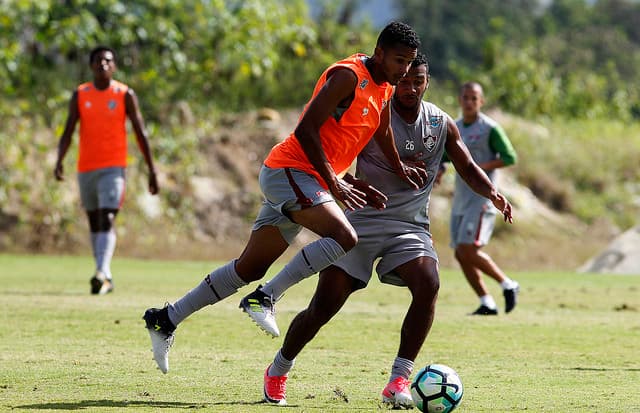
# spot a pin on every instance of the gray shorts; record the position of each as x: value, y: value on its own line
x: 287, y: 189
x: 102, y: 188
x: 475, y: 227
x: 394, y: 242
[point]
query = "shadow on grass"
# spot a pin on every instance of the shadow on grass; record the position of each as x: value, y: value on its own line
x: 85, y: 404
x: 46, y: 293
x: 605, y: 369
x: 133, y: 404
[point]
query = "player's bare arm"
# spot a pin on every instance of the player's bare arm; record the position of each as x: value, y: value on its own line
x: 65, y: 139
x: 413, y: 174
x: 493, y: 164
x: 338, y: 89
x: 133, y: 112
x: 471, y: 172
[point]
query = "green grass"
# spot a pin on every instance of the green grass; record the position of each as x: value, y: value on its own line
x: 570, y: 346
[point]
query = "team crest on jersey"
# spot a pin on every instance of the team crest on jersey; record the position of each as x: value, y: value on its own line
x: 430, y: 142
x: 364, y: 83
x: 111, y: 104
x: 435, y: 121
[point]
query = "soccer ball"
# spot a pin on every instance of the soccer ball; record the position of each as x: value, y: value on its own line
x: 436, y: 388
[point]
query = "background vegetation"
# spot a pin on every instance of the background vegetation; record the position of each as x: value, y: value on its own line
x: 569, y: 67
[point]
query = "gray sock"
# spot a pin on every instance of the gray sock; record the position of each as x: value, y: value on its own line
x: 309, y: 260
x: 218, y: 285
x: 280, y: 365
x: 401, y: 368
x: 105, y: 246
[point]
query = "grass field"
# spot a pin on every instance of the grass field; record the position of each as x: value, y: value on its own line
x: 572, y: 344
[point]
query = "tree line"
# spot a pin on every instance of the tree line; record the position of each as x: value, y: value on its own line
x: 572, y: 58
x: 561, y: 58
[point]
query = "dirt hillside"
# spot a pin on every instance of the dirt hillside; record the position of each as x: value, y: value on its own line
x: 223, y: 198
x: 227, y: 196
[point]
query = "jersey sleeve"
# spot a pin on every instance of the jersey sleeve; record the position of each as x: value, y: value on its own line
x: 500, y: 143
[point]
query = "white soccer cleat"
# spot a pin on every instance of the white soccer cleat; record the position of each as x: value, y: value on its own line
x: 161, y: 332
x: 261, y: 308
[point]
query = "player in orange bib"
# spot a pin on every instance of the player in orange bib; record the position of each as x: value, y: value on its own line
x: 102, y: 107
x: 302, y: 178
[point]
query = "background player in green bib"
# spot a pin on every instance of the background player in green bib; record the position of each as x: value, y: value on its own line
x: 398, y: 235
x: 473, y: 216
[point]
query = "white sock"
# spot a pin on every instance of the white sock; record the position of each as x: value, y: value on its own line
x: 105, y: 246
x: 311, y: 259
x: 220, y: 284
x: 401, y: 368
x: 280, y: 366
x: 508, y: 284
x: 488, y: 301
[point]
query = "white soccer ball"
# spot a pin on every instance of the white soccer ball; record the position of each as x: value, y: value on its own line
x: 436, y: 388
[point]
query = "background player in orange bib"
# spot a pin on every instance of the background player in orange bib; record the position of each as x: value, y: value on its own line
x: 102, y: 107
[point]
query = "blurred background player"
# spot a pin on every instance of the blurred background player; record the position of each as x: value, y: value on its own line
x: 473, y: 216
x: 398, y: 235
x: 102, y: 107
x: 301, y: 182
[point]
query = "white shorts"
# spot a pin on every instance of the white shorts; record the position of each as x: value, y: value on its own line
x: 475, y: 227
x: 287, y: 189
x: 102, y: 188
x: 394, y: 242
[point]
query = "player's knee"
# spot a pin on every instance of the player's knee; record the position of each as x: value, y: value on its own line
x: 426, y: 288
x: 346, y: 237
x: 105, y: 219
x: 464, y: 253
x: 250, y: 273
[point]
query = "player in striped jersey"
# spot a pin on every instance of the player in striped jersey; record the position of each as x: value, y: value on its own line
x: 472, y: 216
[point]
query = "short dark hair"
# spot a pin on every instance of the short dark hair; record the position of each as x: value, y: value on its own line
x: 420, y: 59
x: 398, y: 33
x: 471, y: 85
x: 99, y: 49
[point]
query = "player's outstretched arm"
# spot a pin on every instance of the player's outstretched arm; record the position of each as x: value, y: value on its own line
x: 471, y: 173
x: 133, y: 112
x: 338, y: 89
x: 65, y: 139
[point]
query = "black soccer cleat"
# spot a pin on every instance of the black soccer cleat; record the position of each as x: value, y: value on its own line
x: 484, y: 310
x: 157, y: 319
x: 510, y: 298
x: 100, y: 284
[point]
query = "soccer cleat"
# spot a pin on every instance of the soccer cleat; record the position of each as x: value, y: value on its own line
x: 100, y: 284
x: 107, y: 287
x: 484, y: 310
x: 398, y: 394
x: 161, y: 332
x: 510, y: 298
x: 260, y: 307
x: 275, y: 388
